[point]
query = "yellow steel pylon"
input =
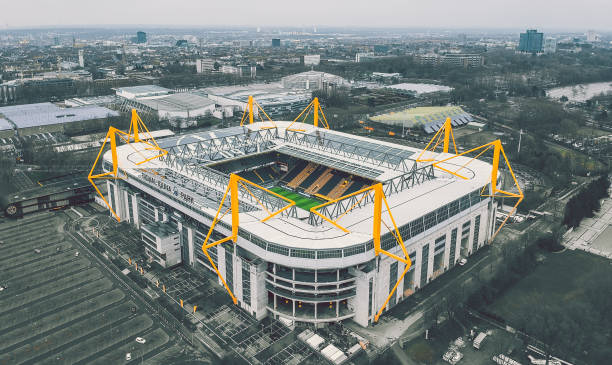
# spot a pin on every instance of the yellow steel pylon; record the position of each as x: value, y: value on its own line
x: 232, y: 189
x: 498, y: 152
x: 135, y: 130
x: 379, y: 198
x: 315, y: 108
x: 248, y: 111
x: 445, y: 135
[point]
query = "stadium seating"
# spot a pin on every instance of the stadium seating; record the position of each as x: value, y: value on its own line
x: 322, y: 180
x: 355, y: 186
x: 293, y: 172
x: 336, y: 186
x: 312, y: 176
x: 304, y: 174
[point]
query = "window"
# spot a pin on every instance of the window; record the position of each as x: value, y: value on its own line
x: 388, y: 241
x: 454, y: 208
x: 424, y: 259
x: 442, y: 214
x: 430, y: 220
x: 465, y: 202
x: 298, y: 252
x: 328, y: 254
x: 393, y: 280
x: 229, y: 270
x: 281, y: 250
x: 246, y: 283
x: 476, y: 229
x: 453, y: 244
x: 258, y: 241
x: 355, y: 250
x: 371, y: 286
x: 416, y: 226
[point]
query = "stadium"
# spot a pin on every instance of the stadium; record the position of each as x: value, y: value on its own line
x: 313, y: 260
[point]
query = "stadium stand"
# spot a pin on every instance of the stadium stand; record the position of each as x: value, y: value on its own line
x: 305, y: 173
x: 335, y: 180
x: 313, y: 176
x: 340, y: 188
x: 293, y: 172
x: 322, y: 180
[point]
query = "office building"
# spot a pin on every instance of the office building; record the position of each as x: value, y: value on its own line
x: 141, y: 37
x: 531, y: 41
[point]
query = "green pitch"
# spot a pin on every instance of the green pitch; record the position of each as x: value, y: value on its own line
x: 300, y: 200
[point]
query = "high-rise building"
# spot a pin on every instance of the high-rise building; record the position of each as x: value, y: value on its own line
x: 81, y: 59
x: 141, y: 37
x: 592, y: 37
x: 531, y: 41
x: 550, y: 45
x: 275, y: 42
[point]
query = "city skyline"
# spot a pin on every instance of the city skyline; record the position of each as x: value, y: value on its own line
x: 469, y: 14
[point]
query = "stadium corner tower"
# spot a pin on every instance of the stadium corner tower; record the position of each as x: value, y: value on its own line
x: 296, y: 265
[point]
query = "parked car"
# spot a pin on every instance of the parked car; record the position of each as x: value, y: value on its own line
x: 128, y: 356
x: 140, y: 340
x: 463, y: 261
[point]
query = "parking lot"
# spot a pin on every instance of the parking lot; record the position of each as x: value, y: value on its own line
x: 59, y: 307
x: 230, y: 327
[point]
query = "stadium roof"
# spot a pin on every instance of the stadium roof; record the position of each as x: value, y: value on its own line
x: 35, y: 115
x: 177, y: 102
x: 5, y: 125
x: 265, y: 94
x: 297, y: 232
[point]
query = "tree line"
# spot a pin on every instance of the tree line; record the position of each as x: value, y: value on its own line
x: 586, y: 202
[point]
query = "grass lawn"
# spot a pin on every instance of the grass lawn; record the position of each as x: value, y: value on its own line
x: 300, y: 200
x: 557, y: 281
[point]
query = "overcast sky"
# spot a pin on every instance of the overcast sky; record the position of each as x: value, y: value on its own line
x: 516, y: 14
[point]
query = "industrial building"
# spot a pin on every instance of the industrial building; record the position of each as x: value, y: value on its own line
x: 313, y: 80
x: 427, y: 118
x: 294, y: 265
x: 275, y: 99
x: 142, y: 91
x: 173, y: 106
x: 47, y: 117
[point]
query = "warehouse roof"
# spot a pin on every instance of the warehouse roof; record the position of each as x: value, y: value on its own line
x: 143, y: 89
x: 34, y: 115
x: 177, y: 102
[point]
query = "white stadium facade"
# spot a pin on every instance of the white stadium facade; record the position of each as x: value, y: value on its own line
x: 296, y: 265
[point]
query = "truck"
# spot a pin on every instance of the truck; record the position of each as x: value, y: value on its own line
x: 478, y: 340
